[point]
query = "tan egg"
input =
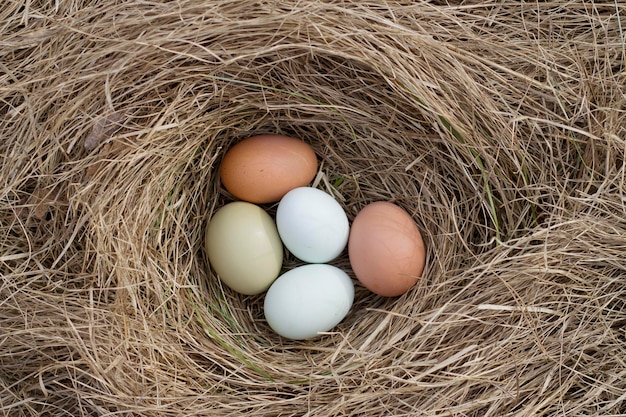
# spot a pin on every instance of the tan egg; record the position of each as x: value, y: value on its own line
x: 244, y: 248
x: 262, y: 169
x: 386, y: 249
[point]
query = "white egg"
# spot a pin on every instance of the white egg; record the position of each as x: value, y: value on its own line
x: 312, y: 225
x: 307, y: 300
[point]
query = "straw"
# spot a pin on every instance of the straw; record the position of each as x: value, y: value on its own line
x: 500, y: 127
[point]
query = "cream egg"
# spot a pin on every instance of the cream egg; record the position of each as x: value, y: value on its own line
x: 244, y: 248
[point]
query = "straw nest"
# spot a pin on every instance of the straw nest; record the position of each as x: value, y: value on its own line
x: 499, y: 126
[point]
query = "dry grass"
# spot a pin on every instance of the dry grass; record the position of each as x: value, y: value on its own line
x: 501, y: 126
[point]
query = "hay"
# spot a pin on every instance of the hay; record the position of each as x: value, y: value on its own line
x: 500, y: 126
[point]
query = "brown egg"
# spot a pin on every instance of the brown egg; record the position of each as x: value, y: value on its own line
x: 386, y: 249
x: 262, y: 169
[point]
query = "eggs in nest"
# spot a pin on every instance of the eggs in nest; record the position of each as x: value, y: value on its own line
x: 245, y: 246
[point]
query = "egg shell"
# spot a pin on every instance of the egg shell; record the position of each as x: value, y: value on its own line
x: 307, y: 300
x: 262, y: 169
x: 312, y: 225
x: 386, y: 249
x: 244, y: 248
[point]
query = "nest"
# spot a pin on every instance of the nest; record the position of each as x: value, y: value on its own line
x: 500, y: 127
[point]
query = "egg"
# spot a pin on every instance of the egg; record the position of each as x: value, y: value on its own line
x: 307, y: 300
x: 386, y: 249
x: 244, y: 248
x: 262, y: 169
x: 312, y: 225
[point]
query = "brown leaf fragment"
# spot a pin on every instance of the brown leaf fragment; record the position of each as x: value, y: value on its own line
x: 103, y: 129
x: 108, y: 151
x: 39, y: 203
